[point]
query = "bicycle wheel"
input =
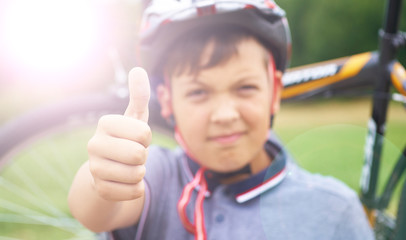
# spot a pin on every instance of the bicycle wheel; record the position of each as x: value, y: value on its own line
x: 39, y: 155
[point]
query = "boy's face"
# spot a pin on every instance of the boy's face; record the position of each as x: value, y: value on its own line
x: 223, y: 113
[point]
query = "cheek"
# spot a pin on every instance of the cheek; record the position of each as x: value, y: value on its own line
x: 190, y: 120
x: 186, y: 113
x: 256, y: 112
x: 257, y: 118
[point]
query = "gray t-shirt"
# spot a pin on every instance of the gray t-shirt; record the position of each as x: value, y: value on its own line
x: 282, y: 202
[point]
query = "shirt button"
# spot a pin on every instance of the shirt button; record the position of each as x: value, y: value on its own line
x: 220, y: 218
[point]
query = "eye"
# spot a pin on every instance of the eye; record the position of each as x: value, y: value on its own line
x: 247, y: 89
x: 197, y: 95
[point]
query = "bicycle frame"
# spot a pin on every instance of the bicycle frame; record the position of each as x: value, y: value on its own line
x: 335, y: 77
x: 375, y: 72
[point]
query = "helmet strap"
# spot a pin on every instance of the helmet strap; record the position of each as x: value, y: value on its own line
x: 273, y: 79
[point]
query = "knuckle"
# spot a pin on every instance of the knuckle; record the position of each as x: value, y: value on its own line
x: 142, y: 155
x: 92, y: 144
x: 145, y: 134
x: 137, y: 155
x: 104, y: 193
x: 136, y: 190
x: 137, y: 174
x: 107, y: 122
x: 142, y: 171
x: 101, y: 189
x: 94, y: 169
x: 104, y: 120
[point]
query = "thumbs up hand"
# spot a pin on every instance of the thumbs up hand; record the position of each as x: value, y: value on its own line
x: 118, y: 150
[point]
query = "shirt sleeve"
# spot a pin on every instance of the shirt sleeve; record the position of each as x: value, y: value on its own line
x: 353, y: 223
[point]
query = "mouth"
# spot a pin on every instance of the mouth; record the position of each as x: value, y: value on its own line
x: 226, y: 139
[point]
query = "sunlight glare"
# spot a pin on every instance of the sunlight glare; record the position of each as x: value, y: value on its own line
x: 50, y: 35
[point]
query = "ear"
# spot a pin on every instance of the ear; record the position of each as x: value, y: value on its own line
x: 164, y: 98
x: 277, y: 92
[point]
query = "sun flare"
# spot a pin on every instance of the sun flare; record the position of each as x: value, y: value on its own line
x: 49, y: 35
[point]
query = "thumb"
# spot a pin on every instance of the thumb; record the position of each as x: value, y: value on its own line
x: 139, y: 90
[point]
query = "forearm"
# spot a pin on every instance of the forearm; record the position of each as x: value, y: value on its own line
x: 96, y: 213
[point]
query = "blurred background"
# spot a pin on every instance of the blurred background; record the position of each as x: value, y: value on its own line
x: 51, y: 49
x: 56, y: 49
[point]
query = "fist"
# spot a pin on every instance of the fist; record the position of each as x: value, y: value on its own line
x: 118, y: 149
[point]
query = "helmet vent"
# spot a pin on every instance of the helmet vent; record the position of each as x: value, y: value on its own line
x: 206, y: 10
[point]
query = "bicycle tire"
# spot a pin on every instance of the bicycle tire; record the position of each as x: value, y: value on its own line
x: 23, y: 204
x: 69, y: 113
x: 19, y: 131
x: 28, y: 209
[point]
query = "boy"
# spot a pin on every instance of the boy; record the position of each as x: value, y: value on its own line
x: 217, y: 78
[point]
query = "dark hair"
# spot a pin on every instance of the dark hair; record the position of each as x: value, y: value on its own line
x: 185, y: 56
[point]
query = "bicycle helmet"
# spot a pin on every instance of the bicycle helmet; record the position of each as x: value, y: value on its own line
x: 166, y: 21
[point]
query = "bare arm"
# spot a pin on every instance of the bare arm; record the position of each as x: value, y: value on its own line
x: 108, y: 190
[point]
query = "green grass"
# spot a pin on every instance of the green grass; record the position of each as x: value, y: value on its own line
x: 329, y: 137
x: 34, y: 188
x: 325, y: 137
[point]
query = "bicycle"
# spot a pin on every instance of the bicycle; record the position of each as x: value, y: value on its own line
x: 382, y: 69
x: 321, y: 79
x: 73, y: 119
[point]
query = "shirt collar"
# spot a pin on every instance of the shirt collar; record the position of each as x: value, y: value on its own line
x: 254, y: 185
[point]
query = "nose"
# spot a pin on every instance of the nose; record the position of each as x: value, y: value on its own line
x: 224, y: 111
